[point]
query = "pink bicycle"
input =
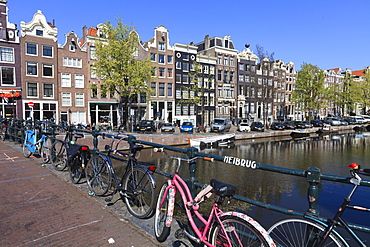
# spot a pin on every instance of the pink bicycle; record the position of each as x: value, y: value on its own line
x: 219, y: 228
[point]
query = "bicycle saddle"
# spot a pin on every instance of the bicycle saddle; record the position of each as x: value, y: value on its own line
x: 136, y: 148
x: 222, y: 189
x: 78, y: 135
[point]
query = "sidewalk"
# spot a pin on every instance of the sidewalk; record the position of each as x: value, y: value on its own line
x: 39, y: 209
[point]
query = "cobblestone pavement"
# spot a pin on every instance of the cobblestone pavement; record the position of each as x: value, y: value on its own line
x: 39, y: 208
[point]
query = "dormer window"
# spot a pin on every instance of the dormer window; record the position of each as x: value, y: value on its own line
x: 72, y: 47
x: 39, y: 32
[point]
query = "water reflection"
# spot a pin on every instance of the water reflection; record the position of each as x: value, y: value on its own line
x: 331, y: 154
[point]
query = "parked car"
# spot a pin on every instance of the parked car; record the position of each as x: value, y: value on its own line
x: 350, y: 120
x: 343, y: 122
x: 359, y: 119
x: 288, y: 125
x: 316, y: 123
x: 167, y: 127
x: 257, y: 126
x: 146, y: 126
x: 299, y: 124
x: 277, y: 126
x: 244, y: 127
x: 334, y: 121
x: 308, y: 125
x: 187, y: 127
x: 220, y: 125
x: 366, y: 118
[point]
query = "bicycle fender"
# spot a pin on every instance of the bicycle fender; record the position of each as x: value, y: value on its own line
x: 171, y: 204
x: 253, y: 223
x: 323, y: 224
x: 152, y: 181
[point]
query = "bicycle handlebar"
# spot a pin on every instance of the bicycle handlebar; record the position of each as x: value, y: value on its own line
x: 357, y: 169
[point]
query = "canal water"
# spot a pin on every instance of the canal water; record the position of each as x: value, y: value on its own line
x: 331, y: 154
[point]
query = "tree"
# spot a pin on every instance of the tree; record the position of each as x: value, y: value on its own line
x: 309, y: 89
x: 361, y: 91
x: 118, y: 66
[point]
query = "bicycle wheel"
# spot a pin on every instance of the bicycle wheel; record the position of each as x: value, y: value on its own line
x: 2, y: 133
x: 160, y: 229
x: 76, y: 171
x: 58, y: 156
x: 98, y: 176
x: 138, y: 193
x: 297, y: 231
x: 45, y: 150
x: 26, y: 152
x: 239, y: 231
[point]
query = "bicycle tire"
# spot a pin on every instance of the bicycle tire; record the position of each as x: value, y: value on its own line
x: 26, y: 152
x: 299, y: 231
x: 75, y: 167
x: 98, y: 176
x: 58, y: 156
x: 139, y: 192
x: 45, y: 151
x: 161, y: 231
x: 2, y: 133
x: 240, y: 232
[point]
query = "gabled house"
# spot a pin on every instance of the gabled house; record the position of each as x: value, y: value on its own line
x: 39, y: 68
x: 72, y: 71
x: 10, y: 66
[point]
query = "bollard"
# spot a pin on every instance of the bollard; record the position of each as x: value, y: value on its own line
x: 192, y: 169
x: 313, y: 175
x: 23, y: 130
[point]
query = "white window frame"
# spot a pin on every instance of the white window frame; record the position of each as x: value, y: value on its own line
x: 66, y: 99
x: 30, y: 54
x: 52, y: 90
x: 52, y: 51
x: 44, y: 65
x: 79, y: 100
x: 79, y: 81
x: 5, y: 84
x: 37, y: 90
x: 37, y: 69
x: 72, y: 62
x: 65, y: 79
x: 7, y: 54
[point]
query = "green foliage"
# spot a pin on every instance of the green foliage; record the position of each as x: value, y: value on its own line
x: 117, y: 63
x: 309, y: 92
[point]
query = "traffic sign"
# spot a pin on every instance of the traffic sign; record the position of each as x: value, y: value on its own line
x: 31, y: 104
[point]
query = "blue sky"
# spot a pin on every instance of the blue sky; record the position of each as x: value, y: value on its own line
x: 326, y: 33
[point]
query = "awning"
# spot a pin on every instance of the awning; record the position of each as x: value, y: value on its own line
x: 10, y: 94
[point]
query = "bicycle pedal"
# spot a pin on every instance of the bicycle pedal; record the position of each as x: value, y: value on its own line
x: 108, y: 199
x: 179, y: 233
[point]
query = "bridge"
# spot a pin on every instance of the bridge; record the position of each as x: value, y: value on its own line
x: 312, y: 174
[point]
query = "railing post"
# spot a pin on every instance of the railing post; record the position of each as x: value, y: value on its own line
x: 313, y: 177
x: 192, y: 169
x: 95, y: 135
x: 22, y: 132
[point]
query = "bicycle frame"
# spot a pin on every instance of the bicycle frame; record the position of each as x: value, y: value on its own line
x: 356, y: 179
x: 131, y: 162
x: 31, y: 143
x: 177, y: 183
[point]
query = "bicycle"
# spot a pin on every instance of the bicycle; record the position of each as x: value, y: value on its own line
x: 219, y: 228
x: 137, y: 185
x: 3, y: 129
x: 312, y: 232
x: 69, y: 154
x: 39, y: 147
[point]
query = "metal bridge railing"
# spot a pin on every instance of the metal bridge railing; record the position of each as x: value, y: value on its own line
x: 312, y: 174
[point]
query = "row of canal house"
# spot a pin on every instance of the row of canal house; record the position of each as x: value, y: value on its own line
x: 58, y: 81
